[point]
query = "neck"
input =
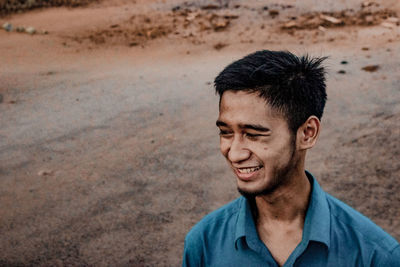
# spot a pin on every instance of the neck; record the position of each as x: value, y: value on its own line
x: 288, y: 203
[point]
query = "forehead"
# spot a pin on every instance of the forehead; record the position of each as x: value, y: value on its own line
x: 241, y: 107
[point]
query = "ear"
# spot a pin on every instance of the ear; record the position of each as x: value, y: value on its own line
x: 308, y: 133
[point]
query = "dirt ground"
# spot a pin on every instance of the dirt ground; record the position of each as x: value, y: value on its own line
x: 108, y: 146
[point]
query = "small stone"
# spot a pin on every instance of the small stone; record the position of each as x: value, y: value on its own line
x: 371, y: 68
x: 365, y: 48
x: 330, y: 19
x: 392, y: 20
x: 30, y: 30
x: 219, y: 46
x: 289, y: 25
x: 176, y: 8
x: 20, y: 29
x: 7, y: 26
x: 210, y: 6
x: 388, y: 25
x: 49, y: 73
x: 191, y: 16
x: 369, y: 19
x: 341, y: 72
x: 368, y: 3
x: 274, y: 12
x: 322, y: 28
x: 219, y: 23
x: 45, y: 172
x: 230, y: 16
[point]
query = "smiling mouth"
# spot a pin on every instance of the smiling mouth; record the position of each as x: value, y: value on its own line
x: 248, y: 170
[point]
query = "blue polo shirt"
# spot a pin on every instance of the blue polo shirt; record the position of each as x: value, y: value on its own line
x: 334, y: 234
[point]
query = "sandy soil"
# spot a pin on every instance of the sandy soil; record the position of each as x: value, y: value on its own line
x: 109, y: 152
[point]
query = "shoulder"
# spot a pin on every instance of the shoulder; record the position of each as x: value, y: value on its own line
x: 215, y: 221
x: 210, y: 233
x: 355, y: 227
x: 393, y: 259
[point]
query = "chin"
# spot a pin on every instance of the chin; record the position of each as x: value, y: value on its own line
x: 249, y: 194
x: 257, y: 191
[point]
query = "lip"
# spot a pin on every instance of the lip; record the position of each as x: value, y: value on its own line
x: 246, y: 176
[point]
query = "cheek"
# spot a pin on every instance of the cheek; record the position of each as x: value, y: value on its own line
x: 278, y: 156
x: 268, y: 154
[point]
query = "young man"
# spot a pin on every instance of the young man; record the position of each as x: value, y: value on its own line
x: 271, y: 104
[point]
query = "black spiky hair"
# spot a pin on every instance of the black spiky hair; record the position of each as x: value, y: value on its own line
x: 294, y: 86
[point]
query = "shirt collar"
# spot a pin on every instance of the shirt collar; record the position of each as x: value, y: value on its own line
x: 318, y: 220
x: 243, y: 216
x: 245, y: 226
x: 316, y: 225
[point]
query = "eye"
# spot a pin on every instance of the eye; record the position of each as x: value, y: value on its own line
x: 253, y: 136
x: 223, y: 133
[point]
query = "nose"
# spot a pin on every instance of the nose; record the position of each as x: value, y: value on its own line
x: 238, y: 152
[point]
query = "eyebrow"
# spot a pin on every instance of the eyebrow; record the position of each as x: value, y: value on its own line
x: 221, y: 123
x: 256, y: 127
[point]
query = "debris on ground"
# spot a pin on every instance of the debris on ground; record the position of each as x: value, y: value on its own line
x: 371, y: 68
x: 273, y: 13
x: 289, y: 25
x: 220, y: 46
x: 349, y: 17
x: 7, y: 27
x: 183, y: 21
x: 219, y: 23
x: 20, y: 29
x: 30, y: 30
x: 388, y: 25
x: 393, y: 20
x: 368, y: 4
x: 45, y: 172
x: 15, y: 6
x: 210, y: 6
x: 330, y: 19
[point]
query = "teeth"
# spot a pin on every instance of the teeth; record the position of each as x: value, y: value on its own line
x: 248, y: 170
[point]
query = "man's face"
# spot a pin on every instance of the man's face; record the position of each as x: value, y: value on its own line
x: 256, y: 142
